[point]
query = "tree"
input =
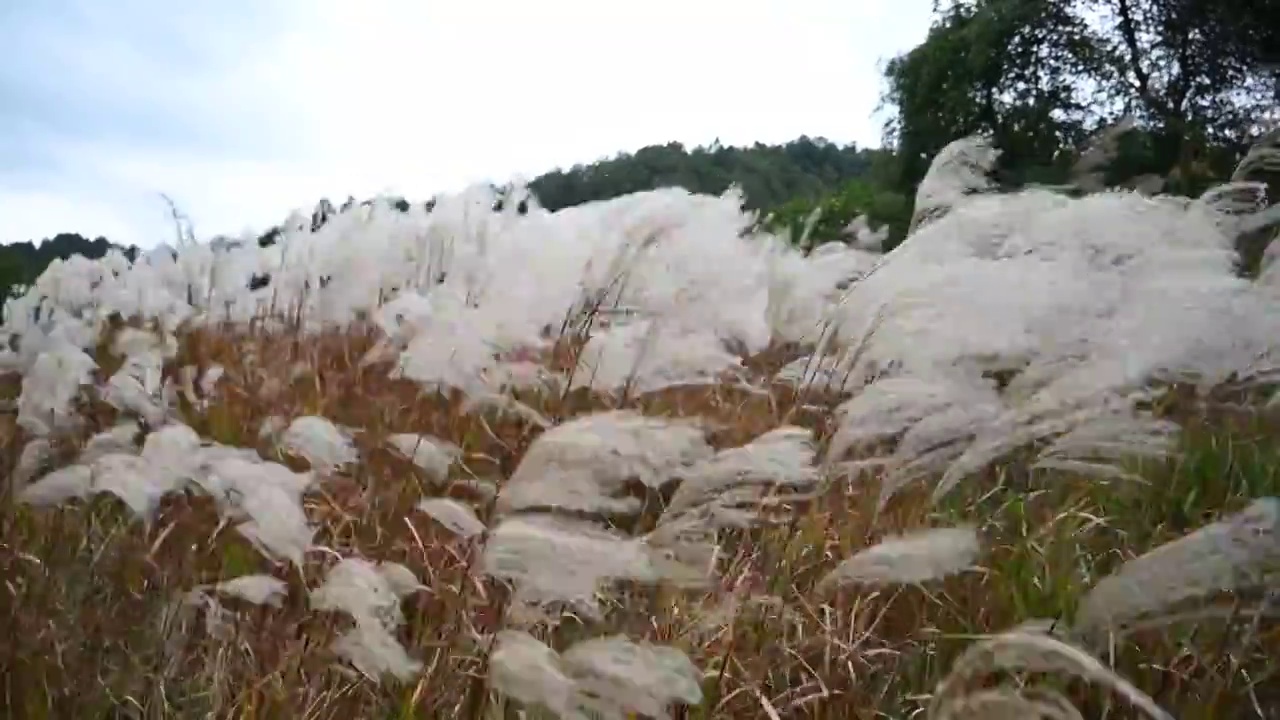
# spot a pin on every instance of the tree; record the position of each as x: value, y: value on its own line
x: 1193, y: 75
x: 1040, y: 75
x: 11, y: 275
x: 1006, y: 68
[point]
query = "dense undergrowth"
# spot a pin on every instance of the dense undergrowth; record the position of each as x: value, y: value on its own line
x: 627, y: 460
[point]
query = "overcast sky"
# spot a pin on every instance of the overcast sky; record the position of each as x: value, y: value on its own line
x: 242, y: 110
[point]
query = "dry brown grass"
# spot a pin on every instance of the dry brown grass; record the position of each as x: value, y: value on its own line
x: 86, y: 589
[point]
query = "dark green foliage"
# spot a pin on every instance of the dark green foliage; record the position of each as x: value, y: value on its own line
x: 857, y: 197
x: 769, y: 175
x: 1038, y: 76
x: 21, y: 263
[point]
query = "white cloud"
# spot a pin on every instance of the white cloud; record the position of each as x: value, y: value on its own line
x: 345, y: 98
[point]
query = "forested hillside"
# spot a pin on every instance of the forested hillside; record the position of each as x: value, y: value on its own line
x: 770, y: 175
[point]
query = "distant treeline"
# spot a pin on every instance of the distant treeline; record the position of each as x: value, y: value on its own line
x: 22, y: 262
x: 1201, y: 80
x: 771, y: 176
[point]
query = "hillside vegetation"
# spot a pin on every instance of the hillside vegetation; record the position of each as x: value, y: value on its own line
x: 681, y: 469
x: 658, y: 454
x: 791, y: 177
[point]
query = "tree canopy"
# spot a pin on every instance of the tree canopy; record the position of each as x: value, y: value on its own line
x: 1199, y: 77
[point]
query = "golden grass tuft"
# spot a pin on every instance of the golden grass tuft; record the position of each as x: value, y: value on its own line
x: 90, y: 629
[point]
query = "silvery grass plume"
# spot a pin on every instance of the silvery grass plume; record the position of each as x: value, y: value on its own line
x: 318, y: 441
x: 960, y: 169
x: 140, y: 480
x: 585, y: 464
x: 605, y: 678
x: 456, y: 517
x: 370, y: 593
x: 1116, y: 292
x: 953, y: 425
x: 1088, y: 172
x: 255, y: 589
x: 177, y: 617
x: 739, y: 487
x: 861, y: 236
x: 136, y: 388
x: 932, y: 420
x: 196, y: 388
x: 1074, y: 435
x: 1029, y: 651
x: 1262, y: 160
x: 263, y: 498
x: 35, y: 457
x: 432, y: 455
x: 650, y: 355
x: 1239, y: 553
x: 51, y: 385
x: 120, y: 438
x: 802, y: 289
x: 914, y: 558
x: 561, y: 562
x: 502, y: 404
x: 1257, y: 233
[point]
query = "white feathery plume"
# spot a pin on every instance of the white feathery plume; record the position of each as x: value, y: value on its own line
x: 729, y: 488
x: 1028, y: 650
x: 888, y: 407
x: 36, y: 454
x: 371, y: 594
x: 458, y: 518
x: 68, y: 483
x: 585, y: 463
x: 617, y: 677
x: 50, y: 386
x: 913, y: 558
x: 134, y: 481
x: 557, y: 560
x: 960, y: 169
x: 374, y: 651
x: 1239, y: 552
x: 256, y: 589
x: 647, y: 356
x: 524, y: 668
x: 433, y: 455
x: 136, y: 387
x: 318, y: 441
x: 365, y: 590
x: 606, y: 678
x: 119, y: 439
x: 266, y: 498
